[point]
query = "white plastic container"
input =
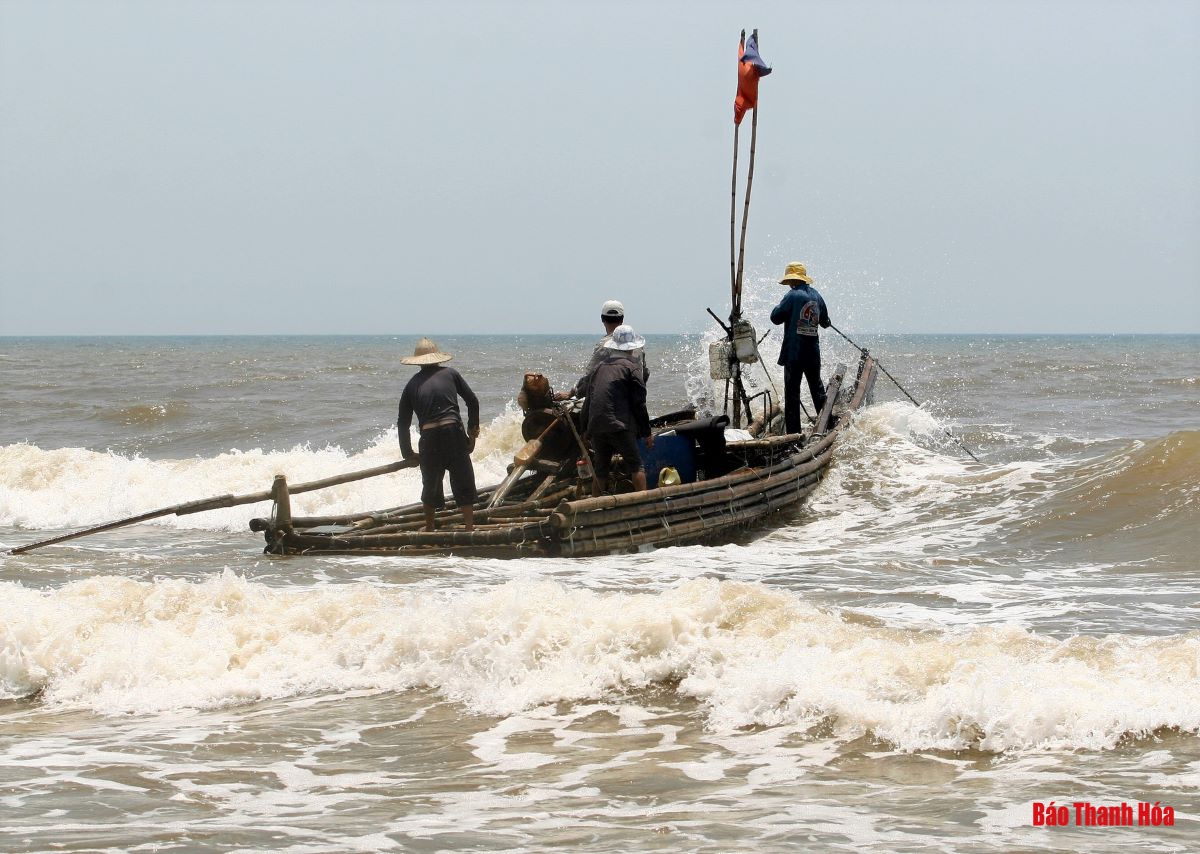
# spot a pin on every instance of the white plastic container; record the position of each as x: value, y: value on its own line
x: 745, y: 342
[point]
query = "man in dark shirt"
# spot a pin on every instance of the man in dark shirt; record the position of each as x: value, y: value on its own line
x: 433, y: 395
x: 801, y: 312
x: 614, y: 413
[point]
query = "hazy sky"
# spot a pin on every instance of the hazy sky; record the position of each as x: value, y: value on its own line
x: 389, y: 167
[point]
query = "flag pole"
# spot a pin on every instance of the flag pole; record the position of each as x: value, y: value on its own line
x: 734, y: 302
x: 746, y: 97
x: 746, y: 208
x: 733, y: 280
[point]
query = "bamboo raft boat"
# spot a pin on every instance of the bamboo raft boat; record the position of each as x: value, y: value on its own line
x: 544, y: 509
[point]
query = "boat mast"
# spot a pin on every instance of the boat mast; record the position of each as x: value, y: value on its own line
x: 737, y: 328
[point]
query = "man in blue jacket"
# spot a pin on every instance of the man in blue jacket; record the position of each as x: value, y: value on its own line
x: 801, y: 312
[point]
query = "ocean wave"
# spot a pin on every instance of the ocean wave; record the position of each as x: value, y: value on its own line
x: 900, y: 487
x: 1174, y: 381
x: 1143, y: 499
x: 74, y: 487
x: 752, y: 656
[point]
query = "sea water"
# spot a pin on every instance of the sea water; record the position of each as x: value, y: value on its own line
x: 909, y: 661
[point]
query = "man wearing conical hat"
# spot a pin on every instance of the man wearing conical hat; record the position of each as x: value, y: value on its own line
x: 433, y: 396
x: 802, y: 311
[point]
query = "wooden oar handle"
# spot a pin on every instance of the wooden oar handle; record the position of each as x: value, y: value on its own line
x: 219, y: 502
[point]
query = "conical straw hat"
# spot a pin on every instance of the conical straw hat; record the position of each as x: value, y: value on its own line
x: 426, y: 353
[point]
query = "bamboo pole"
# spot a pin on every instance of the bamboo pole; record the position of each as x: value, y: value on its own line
x: 489, y: 536
x: 746, y: 210
x: 734, y: 302
x: 583, y: 448
x: 666, y: 505
x: 542, y: 488
x: 710, y: 526
x: 737, y: 399
x: 712, y: 510
x: 758, y: 425
x: 683, y: 533
x: 831, y: 393
x: 765, y: 442
x: 281, y: 510
x: 219, y: 502
x: 535, y: 548
x: 416, y: 520
x: 866, y: 379
x: 522, y: 461
x: 368, y: 515
x: 605, y: 502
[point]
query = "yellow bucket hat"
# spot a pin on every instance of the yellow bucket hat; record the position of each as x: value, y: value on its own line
x: 426, y: 353
x: 795, y: 273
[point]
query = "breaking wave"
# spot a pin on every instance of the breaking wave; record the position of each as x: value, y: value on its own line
x: 750, y: 655
x: 74, y: 487
x: 1140, y: 501
x: 894, y: 476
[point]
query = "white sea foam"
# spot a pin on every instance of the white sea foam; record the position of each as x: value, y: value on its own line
x: 74, y: 487
x: 752, y: 656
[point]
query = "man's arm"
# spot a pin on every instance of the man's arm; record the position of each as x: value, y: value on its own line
x: 464, y: 391
x: 403, y: 422
x: 824, y: 320
x: 780, y: 313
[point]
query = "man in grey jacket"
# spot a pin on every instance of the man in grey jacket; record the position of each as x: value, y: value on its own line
x: 614, y: 414
x: 612, y: 315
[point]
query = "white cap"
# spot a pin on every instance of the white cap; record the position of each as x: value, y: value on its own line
x: 612, y: 308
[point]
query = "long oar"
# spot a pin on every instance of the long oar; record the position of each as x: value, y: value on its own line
x: 521, y: 461
x: 220, y: 502
x: 879, y: 365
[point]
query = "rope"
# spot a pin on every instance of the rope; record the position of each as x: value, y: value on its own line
x: 565, y: 414
x: 888, y: 374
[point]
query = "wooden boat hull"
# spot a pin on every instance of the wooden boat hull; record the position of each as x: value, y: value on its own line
x: 769, y: 476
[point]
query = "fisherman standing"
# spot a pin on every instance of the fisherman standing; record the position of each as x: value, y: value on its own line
x: 612, y: 315
x: 614, y: 414
x: 433, y: 395
x: 802, y: 311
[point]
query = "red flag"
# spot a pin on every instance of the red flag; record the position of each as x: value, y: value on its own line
x: 750, y: 68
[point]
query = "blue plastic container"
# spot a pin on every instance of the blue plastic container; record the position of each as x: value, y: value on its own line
x: 675, y: 451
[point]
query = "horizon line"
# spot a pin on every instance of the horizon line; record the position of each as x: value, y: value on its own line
x: 547, y: 334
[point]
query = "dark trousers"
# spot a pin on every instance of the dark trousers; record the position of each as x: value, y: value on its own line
x: 604, y: 445
x: 809, y: 365
x: 445, y: 449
